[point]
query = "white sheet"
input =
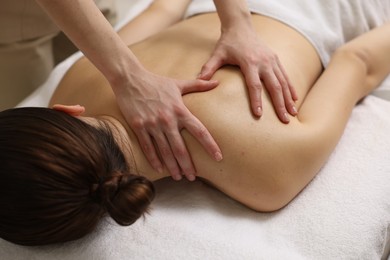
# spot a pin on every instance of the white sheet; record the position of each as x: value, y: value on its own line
x: 344, y: 213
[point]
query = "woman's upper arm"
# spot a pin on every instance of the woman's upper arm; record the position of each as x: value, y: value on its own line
x: 158, y: 16
x: 372, y: 49
x: 173, y: 8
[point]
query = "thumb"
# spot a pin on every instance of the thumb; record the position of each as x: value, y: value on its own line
x: 210, y: 67
x: 197, y: 85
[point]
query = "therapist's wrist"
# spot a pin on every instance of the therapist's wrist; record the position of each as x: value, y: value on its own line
x: 125, y: 73
x: 241, y: 26
x: 238, y: 30
x: 236, y: 21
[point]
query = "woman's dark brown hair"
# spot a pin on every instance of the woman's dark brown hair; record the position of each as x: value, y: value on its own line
x: 59, y: 176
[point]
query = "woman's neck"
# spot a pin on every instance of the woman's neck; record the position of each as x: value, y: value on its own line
x: 127, y: 141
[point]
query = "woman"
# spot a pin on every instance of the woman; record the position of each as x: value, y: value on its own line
x: 61, y: 172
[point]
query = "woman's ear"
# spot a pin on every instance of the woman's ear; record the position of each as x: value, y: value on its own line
x: 74, y: 110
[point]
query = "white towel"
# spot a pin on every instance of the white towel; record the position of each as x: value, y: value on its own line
x: 344, y: 213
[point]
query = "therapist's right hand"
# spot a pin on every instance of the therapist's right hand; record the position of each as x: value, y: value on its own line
x: 154, y: 109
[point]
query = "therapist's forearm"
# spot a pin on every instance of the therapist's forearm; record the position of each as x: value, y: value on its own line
x: 234, y: 14
x: 85, y: 25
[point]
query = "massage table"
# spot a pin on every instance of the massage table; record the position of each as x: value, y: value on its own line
x: 343, y: 213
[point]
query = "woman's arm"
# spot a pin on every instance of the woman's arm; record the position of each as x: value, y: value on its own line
x: 364, y: 61
x: 355, y: 70
x: 152, y: 105
x: 158, y: 16
x: 373, y: 50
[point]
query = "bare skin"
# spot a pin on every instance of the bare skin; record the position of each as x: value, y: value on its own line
x: 266, y: 163
x: 141, y: 93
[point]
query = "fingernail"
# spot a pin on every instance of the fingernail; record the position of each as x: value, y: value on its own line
x: 177, y: 177
x: 294, y: 110
x: 286, y: 117
x: 259, y: 111
x: 160, y: 169
x: 218, y: 156
x: 191, y: 177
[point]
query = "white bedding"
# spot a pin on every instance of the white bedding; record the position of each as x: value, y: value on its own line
x: 344, y: 213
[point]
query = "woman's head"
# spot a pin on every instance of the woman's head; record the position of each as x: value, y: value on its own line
x: 60, y: 175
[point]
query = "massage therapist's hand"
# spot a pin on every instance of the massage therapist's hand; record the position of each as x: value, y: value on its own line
x: 154, y: 108
x: 239, y: 45
x: 258, y: 65
x: 152, y: 105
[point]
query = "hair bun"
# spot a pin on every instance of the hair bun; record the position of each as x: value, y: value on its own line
x: 126, y: 197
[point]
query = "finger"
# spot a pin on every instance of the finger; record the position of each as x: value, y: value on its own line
x: 210, y: 67
x: 293, y: 92
x: 200, y: 132
x: 196, y: 85
x: 288, y: 100
x: 254, y: 85
x: 148, y: 149
x: 166, y: 154
x: 276, y: 92
x: 181, y: 154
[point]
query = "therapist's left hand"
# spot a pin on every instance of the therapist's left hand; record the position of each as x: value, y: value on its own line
x: 259, y: 64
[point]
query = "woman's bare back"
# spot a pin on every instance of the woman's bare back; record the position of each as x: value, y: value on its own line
x: 260, y: 155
